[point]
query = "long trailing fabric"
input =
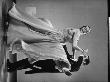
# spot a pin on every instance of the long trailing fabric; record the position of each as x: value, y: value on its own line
x: 47, y: 43
x: 41, y: 23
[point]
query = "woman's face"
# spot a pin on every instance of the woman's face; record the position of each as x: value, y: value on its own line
x: 70, y: 31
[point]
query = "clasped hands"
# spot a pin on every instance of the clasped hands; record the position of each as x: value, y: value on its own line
x: 84, y: 52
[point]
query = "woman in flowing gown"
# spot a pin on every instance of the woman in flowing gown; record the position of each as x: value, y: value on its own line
x: 39, y: 40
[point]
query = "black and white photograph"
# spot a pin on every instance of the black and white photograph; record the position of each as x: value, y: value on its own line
x: 54, y: 40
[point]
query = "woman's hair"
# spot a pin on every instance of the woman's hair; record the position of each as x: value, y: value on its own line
x: 88, y: 28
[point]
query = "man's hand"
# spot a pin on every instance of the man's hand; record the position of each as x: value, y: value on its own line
x: 84, y: 52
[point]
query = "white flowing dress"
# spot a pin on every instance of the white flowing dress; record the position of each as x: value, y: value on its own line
x: 47, y: 45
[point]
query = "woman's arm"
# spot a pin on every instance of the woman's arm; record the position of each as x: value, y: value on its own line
x: 75, y: 41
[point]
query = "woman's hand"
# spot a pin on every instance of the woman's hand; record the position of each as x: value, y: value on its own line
x: 84, y: 52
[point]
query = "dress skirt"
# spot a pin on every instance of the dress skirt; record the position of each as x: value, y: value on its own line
x: 40, y: 50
